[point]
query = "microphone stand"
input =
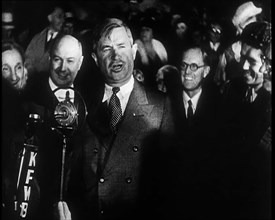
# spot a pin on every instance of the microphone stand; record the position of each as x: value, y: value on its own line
x: 66, y: 115
x: 64, y: 131
x: 62, y: 167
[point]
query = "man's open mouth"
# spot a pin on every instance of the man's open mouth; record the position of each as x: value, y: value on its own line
x: 117, y: 67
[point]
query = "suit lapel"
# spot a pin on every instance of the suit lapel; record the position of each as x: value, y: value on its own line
x: 138, y: 105
x: 133, y: 124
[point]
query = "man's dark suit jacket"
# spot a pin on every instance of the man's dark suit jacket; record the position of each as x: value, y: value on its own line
x: 118, y: 174
x: 43, y: 102
x: 196, y: 159
x: 248, y: 162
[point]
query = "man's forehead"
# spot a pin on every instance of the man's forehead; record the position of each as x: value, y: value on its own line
x: 116, y: 34
x: 193, y: 54
x: 251, y: 54
x: 57, y: 11
x: 250, y: 50
x: 12, y: 56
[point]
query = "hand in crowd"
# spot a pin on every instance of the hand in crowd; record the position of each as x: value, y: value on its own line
x: 61, y: 211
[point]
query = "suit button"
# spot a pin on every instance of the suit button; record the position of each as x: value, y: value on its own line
x: 128, y: 180
x: 101, y: 180
x: 135, y: 148
x: 101, y: 211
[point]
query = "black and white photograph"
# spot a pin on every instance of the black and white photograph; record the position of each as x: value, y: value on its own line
x: 136, y: 109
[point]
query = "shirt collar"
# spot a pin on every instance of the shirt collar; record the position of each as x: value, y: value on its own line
x: 194, y: 99
x: 214, y: 46
x: 61, y: 93
x: 51, y: 32
x: 124, y: 90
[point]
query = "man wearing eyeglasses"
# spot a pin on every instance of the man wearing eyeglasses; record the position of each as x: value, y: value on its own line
x: 196, y: 108
x: 198, y: 105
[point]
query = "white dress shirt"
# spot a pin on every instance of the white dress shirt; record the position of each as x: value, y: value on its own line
x: 123, y: 94
x: 61, y: 93
x: 215, y: 46
x: 194, y: 101
x: 50, y: 33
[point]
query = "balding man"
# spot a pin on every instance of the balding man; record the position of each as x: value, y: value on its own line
x: 45, y: 93
x: 65, y: 62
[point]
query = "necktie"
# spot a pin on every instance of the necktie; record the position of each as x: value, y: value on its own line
x: 249, y: 95
x: 49, y: 42
x: 189, y: 109
x: 115, y: 108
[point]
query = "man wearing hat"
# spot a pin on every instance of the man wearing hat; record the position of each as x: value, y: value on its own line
x: 248, y: 117
x: 228, y: 67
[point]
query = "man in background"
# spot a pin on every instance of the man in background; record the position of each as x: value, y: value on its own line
x: 37, y: 52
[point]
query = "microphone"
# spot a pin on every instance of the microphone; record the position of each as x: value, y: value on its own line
x: 26, y: 167
x: 69, y: 116
x: 66, y: 112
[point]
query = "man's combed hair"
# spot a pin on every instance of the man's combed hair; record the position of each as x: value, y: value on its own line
x: 104, y: 29
x: 200, y: 46
x: 257, y: 34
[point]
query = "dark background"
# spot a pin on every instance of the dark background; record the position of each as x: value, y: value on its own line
x: 33, y: 14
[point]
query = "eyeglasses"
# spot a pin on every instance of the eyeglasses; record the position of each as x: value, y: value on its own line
x: 193, y: 67
x: 216, y: 30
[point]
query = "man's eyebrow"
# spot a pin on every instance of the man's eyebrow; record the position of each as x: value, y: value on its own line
x: 121, y: 43
x: 19, y: 63
x: 103, y: 46
x: 54, y: 56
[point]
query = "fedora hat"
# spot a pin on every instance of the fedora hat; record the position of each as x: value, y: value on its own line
x: 7, y: 20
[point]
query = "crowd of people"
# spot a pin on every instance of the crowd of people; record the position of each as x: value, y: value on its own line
x: 138, y: 121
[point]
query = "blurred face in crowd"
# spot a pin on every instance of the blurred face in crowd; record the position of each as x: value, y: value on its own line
x: 215, y: 33
x: 56, y: 18
x: 115, y: 56
x: 146, y: 34
x: 13, y: 69
x: 266, y: 68
x: 160, y: 81
x: 181, y: 29
x: 251, y: 60
x: 193, y: 70
x: 66, y: 61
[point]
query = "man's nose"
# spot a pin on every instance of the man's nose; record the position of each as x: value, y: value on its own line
x: 63, y: 66
x: 245, y: 65
x: 114, y: 53
x: 188, y: 70
x: 13, y: 75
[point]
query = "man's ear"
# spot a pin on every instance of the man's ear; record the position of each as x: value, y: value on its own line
x: 206, y: 71
x: 95, y: 58
x: 50, y: 18
x: 134, y: 50
x: 80, y: 62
